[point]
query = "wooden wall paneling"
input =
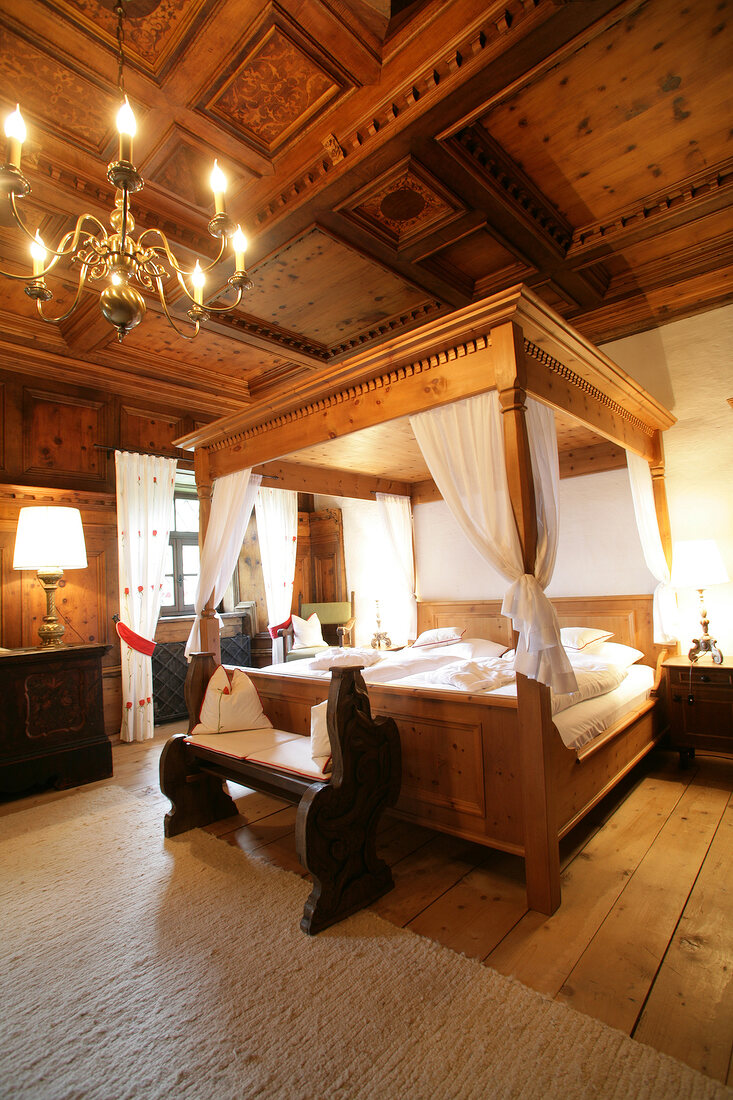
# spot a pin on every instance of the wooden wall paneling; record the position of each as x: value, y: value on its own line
x: 59, y: 433
x: 251, y: 581
x: 2, y: 427
x: 327, y: 556
x: 303, y: 581
x: 145, y: 430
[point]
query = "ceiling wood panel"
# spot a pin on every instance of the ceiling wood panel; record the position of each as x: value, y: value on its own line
x: 386, y: 172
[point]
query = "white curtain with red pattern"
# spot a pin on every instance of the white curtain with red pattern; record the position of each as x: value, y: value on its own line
x: 145, y: 486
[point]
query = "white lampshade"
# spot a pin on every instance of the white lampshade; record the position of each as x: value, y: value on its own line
x: 49, y: 540
x: 697, y: 564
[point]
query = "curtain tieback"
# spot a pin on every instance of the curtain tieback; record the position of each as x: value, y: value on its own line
x: 135, y: 641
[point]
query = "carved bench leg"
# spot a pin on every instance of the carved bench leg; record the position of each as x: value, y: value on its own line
x: 336, y: 826
x: 197, y: 798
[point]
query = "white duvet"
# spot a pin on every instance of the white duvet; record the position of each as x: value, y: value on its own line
x: 472, y: 666
x: 475, y: 666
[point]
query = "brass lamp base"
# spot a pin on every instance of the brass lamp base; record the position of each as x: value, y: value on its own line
x: 704, y: 644
x: 52, y: 631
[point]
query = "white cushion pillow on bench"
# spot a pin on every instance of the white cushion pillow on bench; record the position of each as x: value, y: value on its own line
x: 320, y: 741
x: 231, y: 703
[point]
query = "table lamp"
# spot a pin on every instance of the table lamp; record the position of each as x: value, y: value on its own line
x: 49, y: 540
x: 698, y: 564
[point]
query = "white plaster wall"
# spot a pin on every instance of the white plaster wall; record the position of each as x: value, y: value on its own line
x: 688, y: 366
x: 598, y: 550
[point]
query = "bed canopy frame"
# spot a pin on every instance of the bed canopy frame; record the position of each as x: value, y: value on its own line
x: 511, y: 342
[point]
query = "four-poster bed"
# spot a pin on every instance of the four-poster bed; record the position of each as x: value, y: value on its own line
x: 513, y: 344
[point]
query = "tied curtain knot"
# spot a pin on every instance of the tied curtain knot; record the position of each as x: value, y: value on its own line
x: 540, y: 655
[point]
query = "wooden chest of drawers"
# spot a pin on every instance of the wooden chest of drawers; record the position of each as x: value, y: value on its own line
x: 700, y: 705
x: 52, y: 723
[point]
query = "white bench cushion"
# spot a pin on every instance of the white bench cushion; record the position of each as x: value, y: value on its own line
x: 278, y: 749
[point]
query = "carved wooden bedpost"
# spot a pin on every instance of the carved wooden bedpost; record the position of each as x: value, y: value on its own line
x: 209, y: 625
x: 541, y: 848
x: 336, y: 826
x: 659, y: 490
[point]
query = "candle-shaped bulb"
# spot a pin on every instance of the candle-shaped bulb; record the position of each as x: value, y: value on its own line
x: 198, y: 279
x: 38, y: 252
x: 218, y: 185
x: 239, y: 243
x: 15, y: 132
x: 127, y: 128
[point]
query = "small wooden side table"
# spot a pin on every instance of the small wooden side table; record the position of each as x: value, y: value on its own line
x: 699, y: 706
x: 52, y: 728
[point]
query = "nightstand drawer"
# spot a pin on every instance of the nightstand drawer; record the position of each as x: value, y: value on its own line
x: 714, y: 677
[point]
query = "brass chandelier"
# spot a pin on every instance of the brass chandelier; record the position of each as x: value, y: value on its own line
x: 118, y: 259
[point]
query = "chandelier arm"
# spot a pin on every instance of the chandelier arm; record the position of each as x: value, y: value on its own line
x: 57, y: 320
x: 225, y: 309
x: 167, y: 250
x: 66, y: 246
x: 171, y: 322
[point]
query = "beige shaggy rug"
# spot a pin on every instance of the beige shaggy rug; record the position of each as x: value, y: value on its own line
x: 133, y: 967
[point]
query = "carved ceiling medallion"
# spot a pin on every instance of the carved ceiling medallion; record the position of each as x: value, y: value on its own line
x: 403, y: 205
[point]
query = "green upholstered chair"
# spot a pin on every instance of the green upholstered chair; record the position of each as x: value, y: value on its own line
x: 337, y: 623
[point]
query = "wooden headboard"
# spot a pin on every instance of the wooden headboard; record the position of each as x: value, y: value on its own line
x: 628, y: 617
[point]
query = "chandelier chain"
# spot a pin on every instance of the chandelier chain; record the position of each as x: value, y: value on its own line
x: 120, y: 13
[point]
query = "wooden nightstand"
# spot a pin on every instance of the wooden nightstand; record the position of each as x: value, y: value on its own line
x: 699, y: 706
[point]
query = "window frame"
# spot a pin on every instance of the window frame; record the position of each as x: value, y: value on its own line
x: 185, y: 488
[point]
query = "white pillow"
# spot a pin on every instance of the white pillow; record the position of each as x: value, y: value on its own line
x: 580, y: 637
x: 442, y: 635
x: 478, y: 649
x: 320, y: 741
x: 232, y: 704
x: 307, y: 632
x: 613, y: 653
x: 334, y: 657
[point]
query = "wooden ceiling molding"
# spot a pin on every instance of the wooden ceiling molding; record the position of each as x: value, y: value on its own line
x: 403, y: 205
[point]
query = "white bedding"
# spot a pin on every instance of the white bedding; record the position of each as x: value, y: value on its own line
x: 605, y: 692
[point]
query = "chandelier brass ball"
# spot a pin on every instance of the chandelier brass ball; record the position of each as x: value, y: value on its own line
x: 123, y: 306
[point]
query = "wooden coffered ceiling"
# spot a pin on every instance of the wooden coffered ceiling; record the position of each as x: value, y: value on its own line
x: 390, y: 164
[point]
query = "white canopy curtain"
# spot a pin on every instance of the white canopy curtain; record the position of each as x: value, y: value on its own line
x: 232, y: 499
x: 145, y: 487
x: 396, y: 515
x: 664, y: 607
x: 277, y: 530
x: 463, y: 446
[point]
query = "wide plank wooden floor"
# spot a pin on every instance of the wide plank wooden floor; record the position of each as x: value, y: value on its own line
x: 643, y: 939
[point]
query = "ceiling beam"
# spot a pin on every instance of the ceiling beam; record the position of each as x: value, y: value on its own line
x: 328, y: 481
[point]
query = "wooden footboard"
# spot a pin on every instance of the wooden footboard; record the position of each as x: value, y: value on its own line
x: 460, y: 757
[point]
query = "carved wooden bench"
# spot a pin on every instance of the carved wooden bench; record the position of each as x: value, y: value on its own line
x: 337, y: 818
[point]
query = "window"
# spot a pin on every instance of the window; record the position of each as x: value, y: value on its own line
x: 182, y: 567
